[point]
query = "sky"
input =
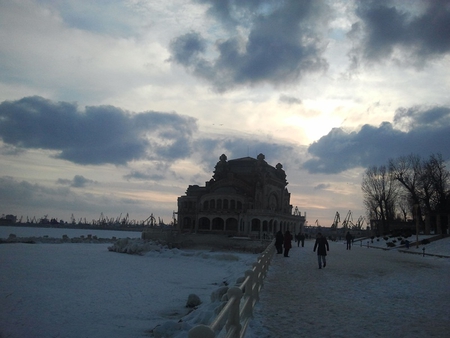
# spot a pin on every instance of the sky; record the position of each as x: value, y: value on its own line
x: 116, y: 107
x: 354, y: 295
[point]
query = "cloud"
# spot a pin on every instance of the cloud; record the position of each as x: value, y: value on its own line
x: 264, y: 42
x: 420, y: 32
x: 78, y: 181
x: 289, y: 100
x: 143, y: 176
x: 97, y: 135
x: 338, y: 151
x: 418, y: 116
x: 114, y: 19
x: 186, y: 49
x: 322, y: 186
x: 35, y: 199
x: 238, y: 147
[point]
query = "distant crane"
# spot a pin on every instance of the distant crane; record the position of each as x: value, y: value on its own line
x: 150, y: 221
x: 359, y: 223
x: 337, y: 219
x: 348, y: 220
x: 125, y: 219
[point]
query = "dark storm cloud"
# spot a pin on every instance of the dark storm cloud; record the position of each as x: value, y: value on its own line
x: 97, y: 135
x: 421, y: 33
x: 186, y: 49
x: 283, y: 41
x: 78, y: 181
x: 338, y: 151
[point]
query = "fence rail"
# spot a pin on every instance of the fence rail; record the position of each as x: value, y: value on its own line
x: 238, y: 311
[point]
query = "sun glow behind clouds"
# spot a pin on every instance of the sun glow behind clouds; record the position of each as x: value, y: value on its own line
x: 313, y: 129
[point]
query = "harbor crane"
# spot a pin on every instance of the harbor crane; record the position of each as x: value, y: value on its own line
x: 337, y: 219
x: 348, y: 220
x: 360, y: 222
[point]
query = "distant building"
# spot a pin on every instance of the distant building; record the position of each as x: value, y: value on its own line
x: 245, y: 197
x: 8, y: 219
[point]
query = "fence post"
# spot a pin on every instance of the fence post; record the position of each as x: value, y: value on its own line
x: 201, y: 331
x: 256, y: 280
x: 234, y: 323
x: 248, y: 292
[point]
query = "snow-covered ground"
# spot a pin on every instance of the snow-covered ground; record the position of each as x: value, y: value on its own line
x: 84, y: 290
x: 362, y: 292
x: 440, y: 247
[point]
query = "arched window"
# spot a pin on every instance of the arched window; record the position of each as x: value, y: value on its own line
x: 218, y: 224
x: 256, y: 224
x: 203, y: 224
x: 206, y: 205
x: 232, y: 204
x: 231, y: 225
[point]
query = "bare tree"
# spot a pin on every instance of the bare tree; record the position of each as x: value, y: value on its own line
x: 426, y: 183
x: 380, y: 193
x: 435, y: 182
x: 407, y: 170
x: 404, y: 206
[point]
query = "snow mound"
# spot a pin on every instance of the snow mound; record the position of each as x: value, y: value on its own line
x: 134, y: 246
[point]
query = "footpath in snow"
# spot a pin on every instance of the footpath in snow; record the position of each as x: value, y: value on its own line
x: 362, y: 292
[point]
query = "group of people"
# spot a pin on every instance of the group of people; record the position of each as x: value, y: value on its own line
x: 283, y: 241
x: 321, y: 245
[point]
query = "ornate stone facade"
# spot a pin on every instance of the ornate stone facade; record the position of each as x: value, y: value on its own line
x: 245, y: 197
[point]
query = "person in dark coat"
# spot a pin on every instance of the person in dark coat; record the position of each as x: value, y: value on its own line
x: 301, y: 239
x: 322, y: 247
x: 349, y: 238
x: 279, y: 239
x: 287, y: 243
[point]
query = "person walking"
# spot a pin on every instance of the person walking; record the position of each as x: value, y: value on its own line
x: 279, y: 239
x: 301, y: 239
x: 287, y: 243
x: 349, y: 238
x: 322, y: 247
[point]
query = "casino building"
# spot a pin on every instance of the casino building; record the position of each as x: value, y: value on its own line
x: 245, y: 197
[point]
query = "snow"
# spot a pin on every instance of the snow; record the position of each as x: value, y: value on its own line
x: 85, y: 290
x: 362, y: 292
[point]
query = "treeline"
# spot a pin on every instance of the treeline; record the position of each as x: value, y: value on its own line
x: 408, y: 187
